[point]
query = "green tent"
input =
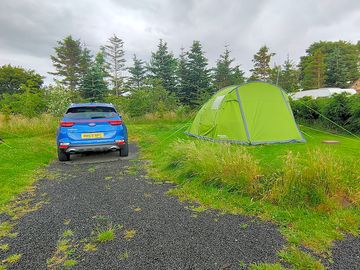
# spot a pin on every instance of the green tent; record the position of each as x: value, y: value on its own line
x: 251, y: 113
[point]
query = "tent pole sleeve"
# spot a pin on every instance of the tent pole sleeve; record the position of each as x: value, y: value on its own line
x: 243, y: 115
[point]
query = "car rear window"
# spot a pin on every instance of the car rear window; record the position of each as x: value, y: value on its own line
x: 90, y: 112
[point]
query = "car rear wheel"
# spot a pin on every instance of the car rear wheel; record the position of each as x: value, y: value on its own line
x: 63, y: 156
x: 124, y: 151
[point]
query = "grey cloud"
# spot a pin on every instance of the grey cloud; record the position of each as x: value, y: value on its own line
x: 29, y: 29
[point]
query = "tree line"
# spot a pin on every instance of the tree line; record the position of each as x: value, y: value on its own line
x: 166, y: 81
x: 189, y: 77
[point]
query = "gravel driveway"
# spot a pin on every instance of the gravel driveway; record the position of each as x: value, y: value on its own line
x: 91, y: 194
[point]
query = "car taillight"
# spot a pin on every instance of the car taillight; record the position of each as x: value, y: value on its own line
x: 66, y: 124
x: 115, y: 122
x: 64, y: 145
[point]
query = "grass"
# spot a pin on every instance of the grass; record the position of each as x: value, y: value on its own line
x: 129, y: 234
x: 29, y: 144
x: 311, y: 190
x: 104, y: 236
x: 13, y: 258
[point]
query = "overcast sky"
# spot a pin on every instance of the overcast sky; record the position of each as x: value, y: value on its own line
x: 29, y: 29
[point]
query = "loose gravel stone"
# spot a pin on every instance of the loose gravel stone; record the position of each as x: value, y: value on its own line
x: 92, y: 193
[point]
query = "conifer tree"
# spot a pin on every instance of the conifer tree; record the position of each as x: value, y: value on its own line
x: 182, y: 74
x: 137, y: 73
x: 67, y: 62
x: 261, y: 70
x: 93, y: 85
x: 163, y: 66
x: 314, y: 72
x: 198, y: 79
x: 224, y: 73
x: 114, y: 53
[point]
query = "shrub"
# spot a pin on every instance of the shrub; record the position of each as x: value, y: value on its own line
x: 305, y: 108
x: 354, y: 120
x: 58, y: 98
x: 27, y: 103
x: 338, y: 109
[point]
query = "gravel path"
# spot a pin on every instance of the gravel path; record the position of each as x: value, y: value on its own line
x: 152, y: 230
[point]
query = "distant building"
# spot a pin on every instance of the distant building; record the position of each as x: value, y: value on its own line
x: 322, y: 92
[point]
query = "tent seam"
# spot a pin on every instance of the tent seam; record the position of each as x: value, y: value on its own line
x: 243, y: 115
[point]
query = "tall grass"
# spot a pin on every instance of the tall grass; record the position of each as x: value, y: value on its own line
x: 20, y: 126
x: 316, y: 179
x: 320, y: 178
x: 228, y: 165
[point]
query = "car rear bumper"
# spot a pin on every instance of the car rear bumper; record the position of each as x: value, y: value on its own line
x: 92, y: 148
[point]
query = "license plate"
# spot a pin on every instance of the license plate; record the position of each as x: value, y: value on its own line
x: 92, y: 135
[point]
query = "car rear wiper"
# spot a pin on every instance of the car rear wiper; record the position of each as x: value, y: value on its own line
x: 94, y: 117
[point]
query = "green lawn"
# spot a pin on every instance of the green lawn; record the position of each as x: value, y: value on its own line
x: 315, y: 227
x: 28, y: 146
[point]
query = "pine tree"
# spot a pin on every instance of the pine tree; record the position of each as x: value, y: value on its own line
x: 289, y: 76
x: 261, y: 60
x: 114, y: 52
x: 137, y: 73
x: 198, y: 79
x: 314, y: 72
x: 67, y: 62
x: 85, y: 61
x: 224, y: 74
x: 182, y: 74
x: 223, y: 70
x: 237, y: 76
x: 93, y: 85
x: 163, y: 66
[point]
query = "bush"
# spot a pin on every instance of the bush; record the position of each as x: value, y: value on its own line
x: 342, y: 109
x: 145, y: 100
x: 305, y: 108
x: 354, y: 120
x: 338, y: 109
x: 27, y: 103
x: 58, y: 98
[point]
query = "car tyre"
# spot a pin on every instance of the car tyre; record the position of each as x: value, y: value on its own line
x: 124, y: 151
x: 63, y: 156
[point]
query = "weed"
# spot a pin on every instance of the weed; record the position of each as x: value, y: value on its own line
x: 242, y: 265
x: 123, y: 256
x: 90, y: 247
x: 129, y: 234
x: 65, y: 247
x: 70, y: 263
x: 91, y: 169
x: 266, y: 266
x: 14, y: 258
x: 5, y: 228
x: 68, y: 233
x: 244, y: 226
x: 105, y: 235
x: 120, y: 226
x: 67, y: 221
x: 108, y: 178
x: 299, y: 259
x: 4, y: 247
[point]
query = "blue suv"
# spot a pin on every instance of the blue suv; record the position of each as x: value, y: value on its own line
x: 88, y: 127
